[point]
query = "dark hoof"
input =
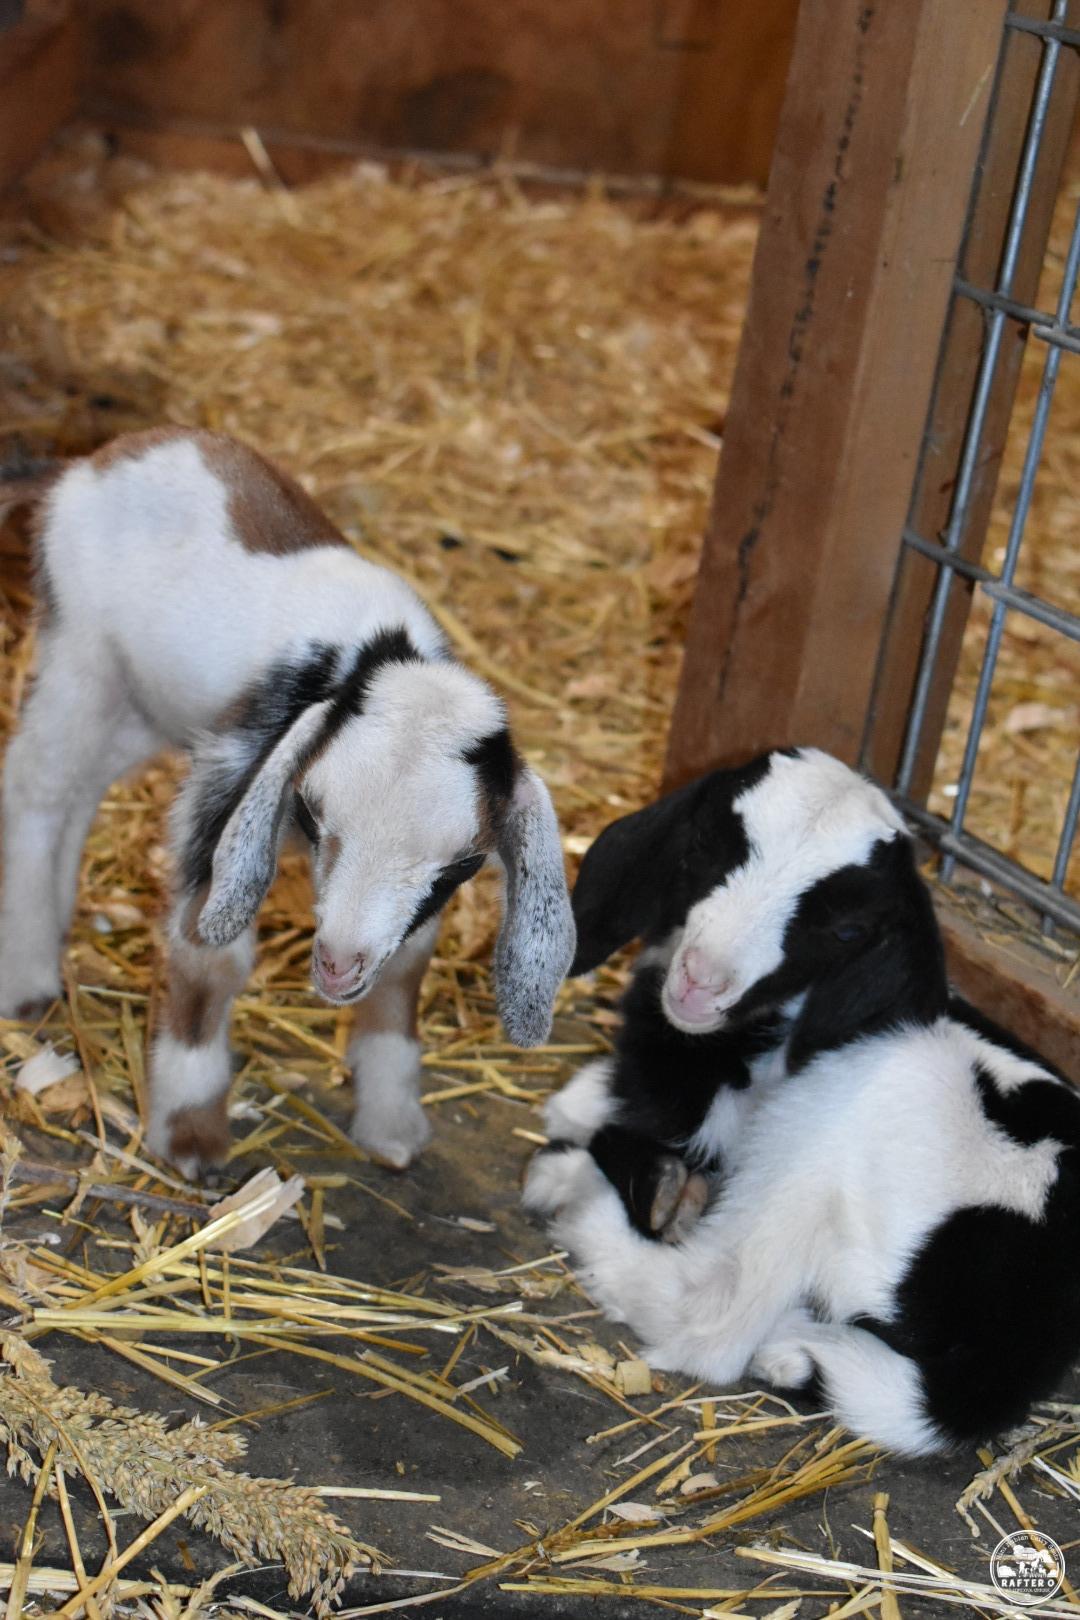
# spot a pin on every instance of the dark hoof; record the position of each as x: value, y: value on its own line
x: 199, y: 1140
x: 671, y: 1178
x: 35, y: 1010
x: 688, y: 1210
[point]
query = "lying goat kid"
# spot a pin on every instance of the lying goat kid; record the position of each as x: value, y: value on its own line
x: 193, y: 596
x: 897, y: 1186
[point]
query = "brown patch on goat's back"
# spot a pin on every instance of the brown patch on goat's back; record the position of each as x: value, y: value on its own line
x: 268, y: 510
x: 132, y: 446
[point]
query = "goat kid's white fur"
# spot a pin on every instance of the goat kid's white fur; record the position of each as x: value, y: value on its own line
x: 833, y: 1177
x: 161, y: 611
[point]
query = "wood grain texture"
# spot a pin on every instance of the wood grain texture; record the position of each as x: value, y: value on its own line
x: 876, y: 149
x: 1015, y: 989
x: 39, y: 59
x: 682, y: 87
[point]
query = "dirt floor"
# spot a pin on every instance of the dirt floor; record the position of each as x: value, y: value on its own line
x: 355, y: 1439
x: 517, y: 401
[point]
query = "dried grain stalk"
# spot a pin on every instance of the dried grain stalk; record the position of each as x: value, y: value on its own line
x: 146, y: 1465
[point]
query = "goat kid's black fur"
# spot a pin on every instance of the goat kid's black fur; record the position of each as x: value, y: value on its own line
x: 989, y: 1308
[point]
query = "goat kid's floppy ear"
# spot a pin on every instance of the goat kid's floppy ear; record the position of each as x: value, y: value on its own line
x: 536, y: 941
x: 245, y: 857
x: 627, y: 879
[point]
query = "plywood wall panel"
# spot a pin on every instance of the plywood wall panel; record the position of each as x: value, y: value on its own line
x: 683, y: 87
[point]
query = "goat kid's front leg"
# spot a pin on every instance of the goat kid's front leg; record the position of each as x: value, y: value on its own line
x: 703, y: 1306
x: 384, y: 1056
x: 191, y: 1065
x: 631, y: 1277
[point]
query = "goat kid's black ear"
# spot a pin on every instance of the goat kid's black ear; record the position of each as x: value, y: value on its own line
x: 624, y: 887
x: 536, y: 940
x: 245, y: 858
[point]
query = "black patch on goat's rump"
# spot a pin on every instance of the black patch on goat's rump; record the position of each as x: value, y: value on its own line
x: 261, y: 717
x: 1032, y: 1111
x: 990, y: 1311
x: 642, y: 874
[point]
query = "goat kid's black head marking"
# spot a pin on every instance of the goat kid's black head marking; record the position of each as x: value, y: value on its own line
x: 643, y: 873
x: 789, y: 881
x: 862, y: 953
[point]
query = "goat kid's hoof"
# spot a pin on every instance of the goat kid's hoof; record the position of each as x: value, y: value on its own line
x: 785, y: 1364
x: 195, y: 1141
x: 678, y: 1202
x: 395, y: 1141
x: 29, y: 1006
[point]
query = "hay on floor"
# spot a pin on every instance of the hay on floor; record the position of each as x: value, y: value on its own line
x: 516, y: 401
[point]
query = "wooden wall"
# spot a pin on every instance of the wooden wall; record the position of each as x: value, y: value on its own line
x: 687, y: 88
x: 39, y: 79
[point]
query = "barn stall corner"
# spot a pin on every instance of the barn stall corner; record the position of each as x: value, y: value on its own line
x: 505, y: 365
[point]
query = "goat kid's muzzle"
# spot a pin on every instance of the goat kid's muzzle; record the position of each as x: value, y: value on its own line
x: 340, y: 978
x: 698, y: 992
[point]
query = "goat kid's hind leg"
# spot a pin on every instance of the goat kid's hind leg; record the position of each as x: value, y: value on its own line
x: 384, y: 1056
x: 52, y: 784
x: 191, y: 1064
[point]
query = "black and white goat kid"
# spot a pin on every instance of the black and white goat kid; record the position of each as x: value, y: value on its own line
x: 895, y: 1184
x: 193, y: 596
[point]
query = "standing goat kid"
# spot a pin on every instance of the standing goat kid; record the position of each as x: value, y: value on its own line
x: 192, y: 596
x: 895, y: 1184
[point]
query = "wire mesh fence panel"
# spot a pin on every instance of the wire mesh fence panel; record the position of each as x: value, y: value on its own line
x: 986, y: 753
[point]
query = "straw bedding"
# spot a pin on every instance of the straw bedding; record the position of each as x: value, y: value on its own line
x: 515, y: 400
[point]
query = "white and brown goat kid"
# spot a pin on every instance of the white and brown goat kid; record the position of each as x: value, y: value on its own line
x: 894, y: 1183
x: 194, y: 597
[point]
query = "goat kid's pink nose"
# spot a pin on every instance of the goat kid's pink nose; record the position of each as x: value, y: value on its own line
x: 335, y: 970
x: 700, y: 972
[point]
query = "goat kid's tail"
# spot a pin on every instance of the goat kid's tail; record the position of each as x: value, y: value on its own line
x: 25, y: 479
x: 874, y: 1390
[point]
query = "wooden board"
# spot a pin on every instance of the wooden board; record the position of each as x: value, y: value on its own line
x: 1015, y: 989
x: 863, y: 221
x: 38, y: 82
x: 681, y: 87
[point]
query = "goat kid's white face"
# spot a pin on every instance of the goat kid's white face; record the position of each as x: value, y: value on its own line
x: 808, y: 817
x: 398, y: 824
x: 402, y: 814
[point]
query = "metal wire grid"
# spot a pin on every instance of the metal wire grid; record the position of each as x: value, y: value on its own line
x: 951, y: 836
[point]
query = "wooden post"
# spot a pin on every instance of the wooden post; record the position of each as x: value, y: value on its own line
x: 38, y: 82
x: 878, y: 142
